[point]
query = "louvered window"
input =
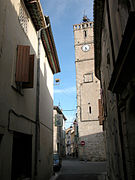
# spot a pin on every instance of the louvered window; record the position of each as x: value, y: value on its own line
x: 24, y: 67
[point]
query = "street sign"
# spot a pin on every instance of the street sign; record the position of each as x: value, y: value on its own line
x: 82, y: 143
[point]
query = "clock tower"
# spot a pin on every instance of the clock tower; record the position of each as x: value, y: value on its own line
x: 88, y: 94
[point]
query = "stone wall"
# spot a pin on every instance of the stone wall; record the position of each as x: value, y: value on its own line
x: 88, y: 93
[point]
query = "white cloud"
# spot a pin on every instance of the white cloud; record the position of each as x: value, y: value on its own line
x: 66, y: 91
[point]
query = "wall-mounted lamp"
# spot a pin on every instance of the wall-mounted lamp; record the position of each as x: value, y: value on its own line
x: 57, y: 81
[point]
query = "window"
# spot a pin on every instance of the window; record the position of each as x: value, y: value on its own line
x: 23, y: 18
x: 88, y: 78
x: 101, y: 112
x: 108, y: 57
x: 91, y: 25
x: 85, y: 34
x: 1, y: 135
x: 21, y: 152
x: 24, y: 67
x: 75, y: 27
x: 89, y: 110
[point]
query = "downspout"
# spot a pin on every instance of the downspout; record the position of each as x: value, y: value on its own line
x: 37, y: 128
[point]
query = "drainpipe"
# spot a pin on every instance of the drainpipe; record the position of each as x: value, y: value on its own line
x: 37, y: 128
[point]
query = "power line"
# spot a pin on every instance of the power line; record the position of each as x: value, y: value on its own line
x: 69, y: 110
x: 68, y: 122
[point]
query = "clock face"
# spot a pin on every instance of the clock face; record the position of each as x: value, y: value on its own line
x: 85, y: 47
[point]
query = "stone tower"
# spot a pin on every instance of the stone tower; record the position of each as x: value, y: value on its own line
x: 88, y: 92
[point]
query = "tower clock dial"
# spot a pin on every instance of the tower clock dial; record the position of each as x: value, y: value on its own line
x: 85, y: 47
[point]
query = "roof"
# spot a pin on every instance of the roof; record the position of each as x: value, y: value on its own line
x: 49, y: 45
x: 36, y: 13
x: 59, y: 111
x: 98, y: 23
x: 40, y: 22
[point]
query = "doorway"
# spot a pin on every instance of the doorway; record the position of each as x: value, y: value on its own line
x: 21, y: 156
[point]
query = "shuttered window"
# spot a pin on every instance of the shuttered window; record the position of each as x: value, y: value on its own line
x: 101, y: 112
x: 24, y: 67
x: 22, y: 64
x: 31, y: 73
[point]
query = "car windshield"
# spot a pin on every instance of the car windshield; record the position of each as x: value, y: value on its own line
x: 55, y: 156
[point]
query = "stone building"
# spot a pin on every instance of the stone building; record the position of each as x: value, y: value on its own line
x: 28, y: 60
x: 114, y: 39
x: 75, y: 126
x: 71, y: 141
x: 68, y: 141
x: 59, y: 131
x: 88, y: 94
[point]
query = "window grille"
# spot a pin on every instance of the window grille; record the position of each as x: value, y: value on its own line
x: 23, y: 19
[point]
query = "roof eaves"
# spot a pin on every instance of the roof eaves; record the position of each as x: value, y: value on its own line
x: 53, y: 43
x: 35, y: 10
x: 59, y: 111
x: 98, y: 21
x: 47, y: 39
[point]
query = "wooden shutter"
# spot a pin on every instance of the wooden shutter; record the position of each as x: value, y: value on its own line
x: 101, y: 117
x: 22, y: 64
x: 31, y: 73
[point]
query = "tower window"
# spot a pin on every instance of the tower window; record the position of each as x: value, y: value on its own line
x: 90, y: 109
x: 85, y: 34
x: 75, y: 27
x: 87, y: 78
x: 90, y: 24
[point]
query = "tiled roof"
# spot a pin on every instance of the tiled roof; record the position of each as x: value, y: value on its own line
x: 39, y: 21
x: 36, y: 14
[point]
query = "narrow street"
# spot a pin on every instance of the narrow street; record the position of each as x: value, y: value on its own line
x: 81, y: 170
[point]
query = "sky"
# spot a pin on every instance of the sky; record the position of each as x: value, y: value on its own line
x: 63, y: 15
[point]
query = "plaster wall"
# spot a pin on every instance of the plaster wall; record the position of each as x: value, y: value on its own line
x: 55, y: 138
x: 11, y: 35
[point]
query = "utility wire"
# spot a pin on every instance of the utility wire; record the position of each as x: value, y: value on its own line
x: 69, y: 110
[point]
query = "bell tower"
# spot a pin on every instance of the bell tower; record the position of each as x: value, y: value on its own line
x: 88, y: 93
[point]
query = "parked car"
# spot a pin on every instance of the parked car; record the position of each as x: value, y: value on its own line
x: 57, y: 162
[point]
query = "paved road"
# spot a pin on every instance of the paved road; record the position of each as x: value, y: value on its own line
x: 81, y: 170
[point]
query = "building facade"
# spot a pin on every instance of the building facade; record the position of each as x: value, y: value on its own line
x: 88, y: 93
x: 28, y: 60
x: 68, y: 142
x: 59, y: 132
x: 114, y: 39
